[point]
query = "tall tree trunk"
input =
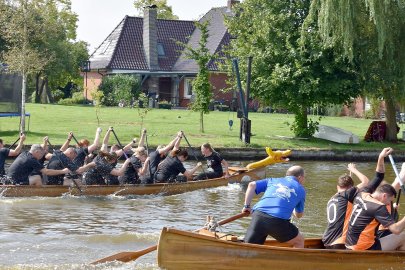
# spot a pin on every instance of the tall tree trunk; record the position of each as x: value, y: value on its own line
x: 202, y: 122
x: 48, y: 91
x: 23, y: 91
x: 37, y: 87
x: 390, y: 115
x: 301, y: 122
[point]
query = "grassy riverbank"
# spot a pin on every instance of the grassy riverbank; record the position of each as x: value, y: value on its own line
x: 271, y: 130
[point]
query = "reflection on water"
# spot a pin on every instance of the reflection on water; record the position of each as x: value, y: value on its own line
x: 69, y: 232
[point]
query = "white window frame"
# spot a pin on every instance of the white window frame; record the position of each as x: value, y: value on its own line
x: 188, y: 84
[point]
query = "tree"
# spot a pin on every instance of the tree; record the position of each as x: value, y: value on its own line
x: 201, y: 84
x: 20, y: 25
x: 370, y: 33
x: 289, y: 69
x: 163, y: 10
x: 56, y: 43
x: 38, y: 42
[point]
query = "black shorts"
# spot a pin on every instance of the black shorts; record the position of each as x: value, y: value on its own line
x: 383, y: 233
x: 375, y: 246
x: 263, y: 225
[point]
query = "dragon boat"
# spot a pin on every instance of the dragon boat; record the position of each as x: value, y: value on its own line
x: 237, y: 174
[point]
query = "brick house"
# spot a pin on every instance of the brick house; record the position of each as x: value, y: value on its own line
x: 146, y: 47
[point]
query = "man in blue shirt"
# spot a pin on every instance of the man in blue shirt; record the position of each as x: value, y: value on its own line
x: 271, y: 214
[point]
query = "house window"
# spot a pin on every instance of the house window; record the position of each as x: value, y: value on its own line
x: 188, y: 88
x: 160, y: 50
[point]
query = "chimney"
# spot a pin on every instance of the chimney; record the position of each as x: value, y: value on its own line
x: 150, y: 36
x: 231, y: 3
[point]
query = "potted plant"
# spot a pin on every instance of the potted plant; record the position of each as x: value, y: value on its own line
x: 163, y: 104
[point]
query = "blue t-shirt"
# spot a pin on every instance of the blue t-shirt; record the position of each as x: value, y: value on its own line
x: 281, y: 196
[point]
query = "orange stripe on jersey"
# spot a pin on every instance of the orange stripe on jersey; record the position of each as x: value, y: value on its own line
x: 367, y: 237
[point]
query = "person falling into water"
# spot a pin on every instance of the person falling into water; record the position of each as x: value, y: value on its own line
x: 214, y: 164
x: 6, y: 152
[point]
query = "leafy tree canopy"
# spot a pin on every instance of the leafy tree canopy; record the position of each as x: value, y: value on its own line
x: 288, y: 70
x: 164, y: 11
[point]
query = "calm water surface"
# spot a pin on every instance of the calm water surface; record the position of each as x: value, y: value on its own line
x: 69, y: 232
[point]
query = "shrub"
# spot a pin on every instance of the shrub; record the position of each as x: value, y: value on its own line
x: 119, y: 88
x: 77, y: 98
x: 57, y: 95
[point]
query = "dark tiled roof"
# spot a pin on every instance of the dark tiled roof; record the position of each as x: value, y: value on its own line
x: 170, y: 31
x: 102, y: 56
x: 220, y: 55
x: 217, y: 32
x: 129, y: 52
x: 123, y: 48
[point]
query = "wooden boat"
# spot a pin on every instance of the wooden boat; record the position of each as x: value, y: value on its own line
x: 186, y: 250
x: 335, y: 134
x: 237, y: 175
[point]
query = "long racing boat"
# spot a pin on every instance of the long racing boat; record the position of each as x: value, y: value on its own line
x: 236, y: 176
x: 253, y: 171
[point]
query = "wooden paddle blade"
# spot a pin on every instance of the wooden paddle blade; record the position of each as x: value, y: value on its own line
x: 126, y: 256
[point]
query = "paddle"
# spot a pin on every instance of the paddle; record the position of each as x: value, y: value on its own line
x: 119, y: 143
x: 147, y: 151
x: 189, y: 145
x: 130, y: 256
x: 74, y: 138
x: 14, y: 143
x: 394, y: 167
x: 56, y: 154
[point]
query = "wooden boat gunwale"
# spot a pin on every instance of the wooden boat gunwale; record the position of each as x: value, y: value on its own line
x: 239, y: 255
x: 127, y: 189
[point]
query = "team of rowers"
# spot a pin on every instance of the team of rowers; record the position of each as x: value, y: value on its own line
x: 360, y: 217
x: 44, y: 165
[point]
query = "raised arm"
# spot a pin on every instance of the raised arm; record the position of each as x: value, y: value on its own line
x: 145, y: 167
x: 96, y: 142
x: 189, y: 173
x: 86, y: 167
x: 104, y: 146
x: 379, y: 171
x: 172, y: 144
x: 178, y: 140
x: 126, y: 148
x: 142, y: 140
x: 121, y: 171
x: 363, y: 179
x: 19, y: 147
x: 67, y: 142
x: 45, y: 143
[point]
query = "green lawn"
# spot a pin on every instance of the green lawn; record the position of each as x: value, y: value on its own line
x: 271, y: 130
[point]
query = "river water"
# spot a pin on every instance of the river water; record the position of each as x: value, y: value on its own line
x: 69, y: 232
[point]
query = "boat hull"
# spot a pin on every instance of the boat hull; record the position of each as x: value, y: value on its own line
x: 125, y: 190
x: 185, y: 250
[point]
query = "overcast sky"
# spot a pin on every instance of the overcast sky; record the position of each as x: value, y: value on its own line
x: 97, y: 18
